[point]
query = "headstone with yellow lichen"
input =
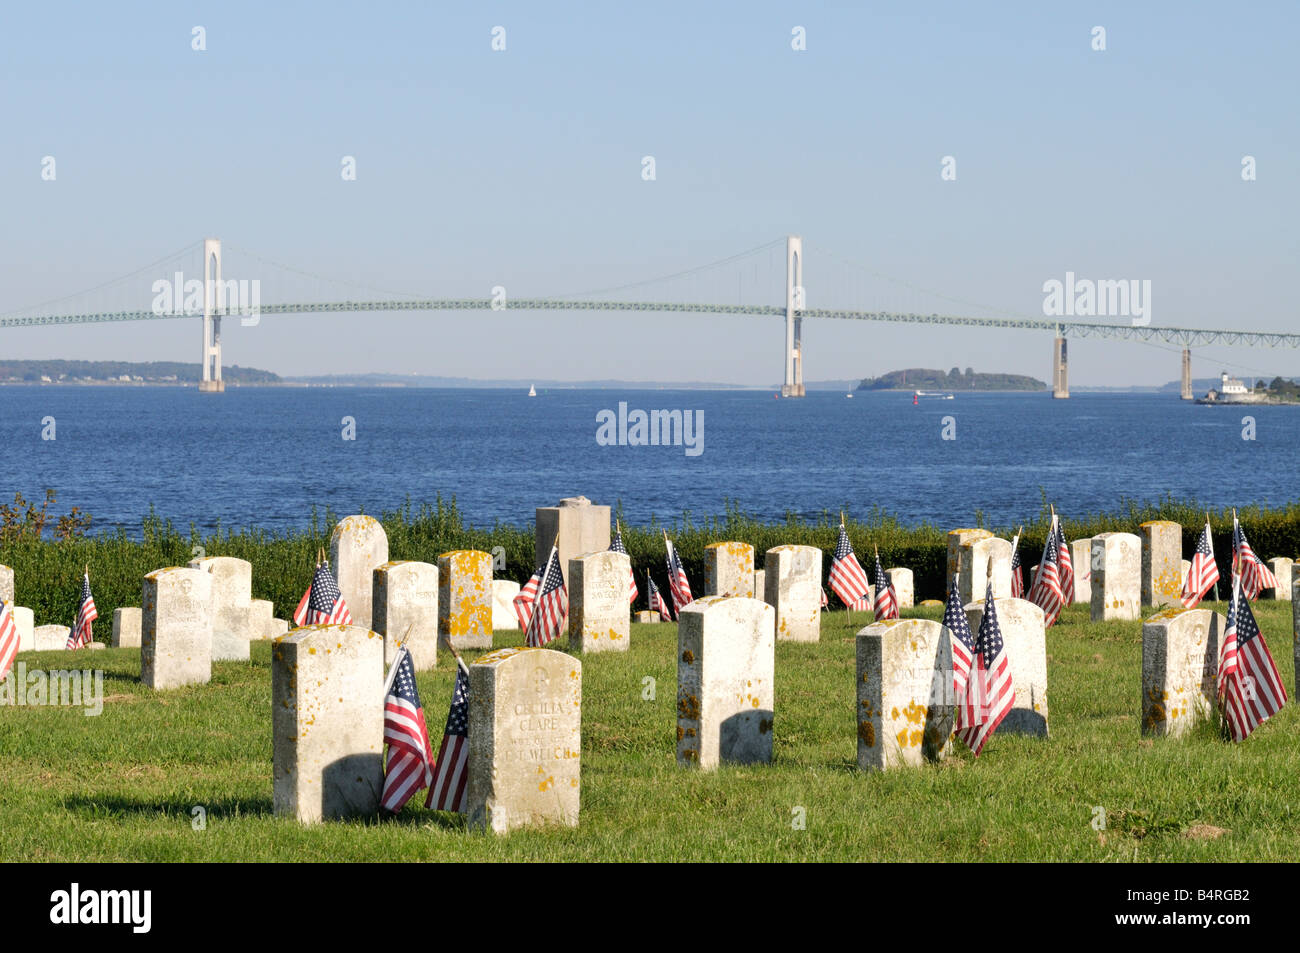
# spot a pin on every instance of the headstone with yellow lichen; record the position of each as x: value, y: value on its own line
x: 405, y: 607
x: 525, y: 740
x: 726, y: 664
x: 176, y: 628
x: 1180, y: 656
x: 793, y: 579
x: 327, y: 722
x: 1116, y: 577
x: 1024, y: 638
x: 358, y: 546
x: 1162, y: 555
x: 599, y: 611
x: 465, y: 598
x: 904, y: 700
x: 729, y: 569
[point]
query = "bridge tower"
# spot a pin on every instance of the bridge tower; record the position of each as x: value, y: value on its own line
x: 794, y: 305
x: 1060, y: 368
x: 210, y: 381
x: 1187, y: 374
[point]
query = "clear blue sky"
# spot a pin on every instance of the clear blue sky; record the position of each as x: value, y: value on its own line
x: 522, y: 168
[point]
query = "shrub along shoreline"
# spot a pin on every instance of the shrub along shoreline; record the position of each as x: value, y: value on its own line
x: 48, y: 571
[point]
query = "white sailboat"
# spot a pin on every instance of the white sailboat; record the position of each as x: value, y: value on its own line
x: 532, y: 391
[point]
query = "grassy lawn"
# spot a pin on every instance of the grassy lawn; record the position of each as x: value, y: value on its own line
x: 121, y: 786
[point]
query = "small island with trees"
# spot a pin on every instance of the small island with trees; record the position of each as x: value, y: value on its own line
x: 924, y: 378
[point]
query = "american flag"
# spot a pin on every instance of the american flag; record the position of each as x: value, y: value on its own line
x: 848, y: 579
x: 450, y: 777
x: 300, y: 613
x: 8, y: 639
x: 410, y: 759
x: 1017, y: 573
x: 325, y: 603
x: 618, y: 547
x: 1203, y: 572
x: 1047, y: 592
x: 963, y: 646
x: 886, y: 601
x: 825, y: 600
x: 990, y: 692
x: 1064, y: 565
x: 657, y: 603
x: 86, y: 614
x: 551, y: 608
x: 1255, y: 576
x: 678, y: 586
x: 1250, y: 689
x: 523, y: 602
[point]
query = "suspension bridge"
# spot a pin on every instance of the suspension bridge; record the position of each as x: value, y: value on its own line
x: 216, y: 298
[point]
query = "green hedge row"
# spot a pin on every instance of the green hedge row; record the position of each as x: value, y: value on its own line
x: 48, y: 573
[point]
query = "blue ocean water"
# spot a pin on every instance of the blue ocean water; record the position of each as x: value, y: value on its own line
x: 264, y: 456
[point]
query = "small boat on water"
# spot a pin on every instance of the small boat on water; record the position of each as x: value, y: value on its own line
x: 532, y: 391
x: 850, y: 396
x: 933, y: 394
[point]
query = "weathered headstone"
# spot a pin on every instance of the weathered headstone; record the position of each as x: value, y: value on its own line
x: 465, y: 598
x: 176, y: 628
x: 1282, y: 568
x: 1162, y: 552
x: 794, y: 588
x: 261, y: 613
x: 1081, y: 562
x: 126, y: 628
x: 503, y: 604
x: 646, y: 615
x: 976, y: 555
x: 1180, y: 658
x: 358, y: 546
x: 1024, y: 638
x: 6, y: 584
x: 904, y: 699
x: 729, y: 569
x: 1184, y: 568
x: 327, y: 722
x: 48, y: 638
x: 230, y: 605
x: 279, y: 627
x: 956, y: 539
x: 525, y: 740
x: 25, y: 625
x: 760, y: 584
x: 726, y: 665
x: 1116, y: 577
x: 405, y: 606
x: 904, y: 589
x: 576, y: 526
x: 598, y: 603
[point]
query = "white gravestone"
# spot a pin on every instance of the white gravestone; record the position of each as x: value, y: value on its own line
x: 176, y: 628
x: 1180, y: 658
x: 904, y: 588
x: 327, y: 722
x: 957, y: 538
x: 48, y: 638
x: 1116, y: 577
x: 1024, y: 638
x: 904, y: 698
x: 1282, y: 568
x: 230, y: 606
x: 794, y: 588
x: 976, y: 554
x: 126, y: 628
x: 599, y: 618
x: 25, y: 625
x: 1081, y: 561
x: 503, y: 604
x: 729, y: 569
x: 404, y: 605
x: 358, y: 546
x: 525, y: 740
x: 726, y: 664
